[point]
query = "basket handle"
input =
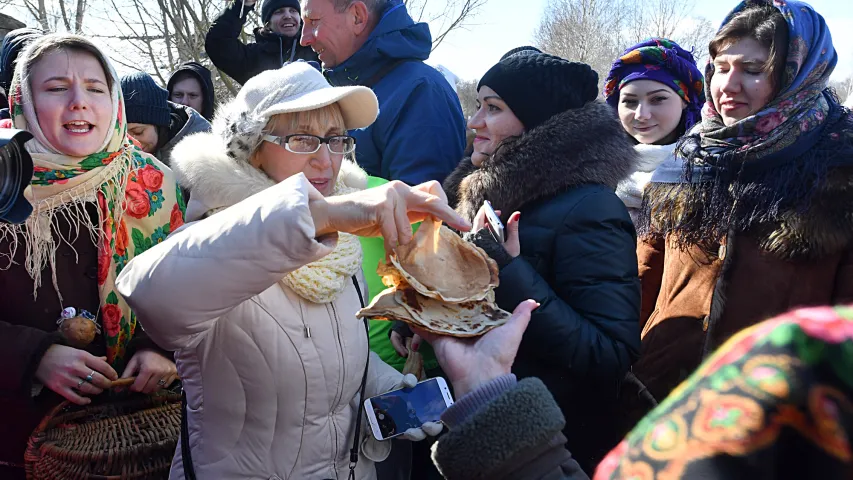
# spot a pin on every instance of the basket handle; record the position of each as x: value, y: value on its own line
x: 126, y: 382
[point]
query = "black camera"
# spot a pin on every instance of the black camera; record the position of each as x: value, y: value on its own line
x: 16, y: 172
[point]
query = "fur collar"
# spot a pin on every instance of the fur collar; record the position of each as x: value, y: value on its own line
x: 579, y: 146
x: 217, y: 181
x: 824, y: 227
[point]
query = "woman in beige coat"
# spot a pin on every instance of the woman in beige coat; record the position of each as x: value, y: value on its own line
x: 258, y: 297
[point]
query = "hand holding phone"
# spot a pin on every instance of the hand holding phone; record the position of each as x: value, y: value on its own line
x: 493, y: 222
x: 392, y: 413
x: 471, y: 363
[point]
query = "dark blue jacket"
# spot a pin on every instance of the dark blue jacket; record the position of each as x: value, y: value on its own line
x: 420, y: 132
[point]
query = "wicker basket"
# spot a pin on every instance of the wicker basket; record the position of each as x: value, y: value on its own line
x: 131, y: 438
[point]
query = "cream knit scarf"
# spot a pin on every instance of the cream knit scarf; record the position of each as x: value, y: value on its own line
x: 322, y: 281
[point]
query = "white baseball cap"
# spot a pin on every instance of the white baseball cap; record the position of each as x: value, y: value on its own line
x: 299, y: 87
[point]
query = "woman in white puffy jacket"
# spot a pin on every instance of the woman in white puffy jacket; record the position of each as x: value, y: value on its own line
x: 258, y: 296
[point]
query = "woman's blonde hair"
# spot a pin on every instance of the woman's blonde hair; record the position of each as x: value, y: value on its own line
x: 330, y: 115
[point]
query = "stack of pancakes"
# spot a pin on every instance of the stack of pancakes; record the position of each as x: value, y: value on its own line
x: 439, y: 283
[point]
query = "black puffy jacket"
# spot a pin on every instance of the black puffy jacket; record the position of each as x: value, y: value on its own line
x: 578, y: 260
x: 243, y: 61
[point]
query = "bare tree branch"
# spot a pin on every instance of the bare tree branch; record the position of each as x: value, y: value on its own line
x: 467, y: 92
x: 148, y: 42
x: 64, y: 15
x: 39, y: 12
x: 843, y: 88
x: 78, y: 17
x: 596, y: 32
x: 466, y: 12
x: 167, y: 38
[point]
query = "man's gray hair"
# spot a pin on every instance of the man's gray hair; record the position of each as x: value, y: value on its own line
x: 375, y: 7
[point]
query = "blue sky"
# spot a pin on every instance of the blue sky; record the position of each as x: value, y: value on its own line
x: 504, y: 24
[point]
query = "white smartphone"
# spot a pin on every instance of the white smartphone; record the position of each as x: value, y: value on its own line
x: 493, y: 222
x: 392, y: 413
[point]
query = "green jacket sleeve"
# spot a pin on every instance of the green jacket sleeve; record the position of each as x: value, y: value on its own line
x: 374, y: 252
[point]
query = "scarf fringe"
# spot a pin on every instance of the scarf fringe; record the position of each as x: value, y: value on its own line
x: 42, y: 233
x: 704, y: 213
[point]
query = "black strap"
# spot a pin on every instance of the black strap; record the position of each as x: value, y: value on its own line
x: 353, y: 453
x: 186, y: 455
x: 370, y: 82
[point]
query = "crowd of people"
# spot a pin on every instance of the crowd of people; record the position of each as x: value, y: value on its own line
x: 652, y: 229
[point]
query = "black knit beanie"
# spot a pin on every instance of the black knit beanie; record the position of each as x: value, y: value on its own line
x: 270, y: 6
x: 536, y: 86
x: 144, y: 100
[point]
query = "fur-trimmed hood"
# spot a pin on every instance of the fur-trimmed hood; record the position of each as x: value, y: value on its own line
x: 579, y: 146
x: 217, y: 181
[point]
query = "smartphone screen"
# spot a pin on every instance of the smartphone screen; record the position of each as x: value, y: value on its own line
x: 397, y: 411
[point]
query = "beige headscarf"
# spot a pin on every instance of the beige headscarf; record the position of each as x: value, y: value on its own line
x: 139, y: 202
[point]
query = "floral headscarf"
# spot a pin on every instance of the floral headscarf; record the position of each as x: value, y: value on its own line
x: 776, y: 401
x: 799, y: 108
x: 742, y: 174
x: 138, y: 201
x: 663, y: 61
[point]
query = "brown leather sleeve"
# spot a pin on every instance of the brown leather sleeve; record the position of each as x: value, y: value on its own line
x: 650, y: 260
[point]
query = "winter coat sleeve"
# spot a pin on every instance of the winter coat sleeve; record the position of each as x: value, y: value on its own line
x: 223, y: 46
x: 650, y: 259
x: 23, y: 349
x: 423, y: 141
x: 182, y: 286
x: 511, y: 430
x: 381, y: 377
x: 843, y: 293
x: 141, y: 341
x: 587, y: 322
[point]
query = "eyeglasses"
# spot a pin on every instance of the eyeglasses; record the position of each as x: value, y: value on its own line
x: 304, y: 143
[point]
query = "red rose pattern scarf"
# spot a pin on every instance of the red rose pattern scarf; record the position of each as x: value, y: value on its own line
x: 138, y: 199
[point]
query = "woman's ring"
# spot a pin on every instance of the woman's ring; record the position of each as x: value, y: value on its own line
x: 80, y: 383
x: 162, y: 382
x: 90, y: 377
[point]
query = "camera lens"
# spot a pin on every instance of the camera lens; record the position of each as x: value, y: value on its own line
x: 16, y: 169
x: 9, y: 175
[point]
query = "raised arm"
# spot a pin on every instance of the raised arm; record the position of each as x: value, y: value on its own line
x: 222, y: 42
x: 179, y: 288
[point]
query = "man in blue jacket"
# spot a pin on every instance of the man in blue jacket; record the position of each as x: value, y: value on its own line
x: 420, y: 132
